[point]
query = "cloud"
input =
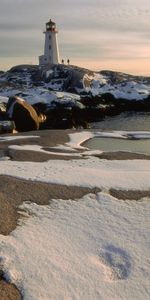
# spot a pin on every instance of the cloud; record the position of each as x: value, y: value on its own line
x: 101, y: 29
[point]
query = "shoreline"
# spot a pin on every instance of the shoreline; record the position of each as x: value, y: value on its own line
x: 12, y: 189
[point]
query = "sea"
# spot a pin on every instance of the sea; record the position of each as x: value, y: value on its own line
x: 130, y: 121
x: 127, y: 121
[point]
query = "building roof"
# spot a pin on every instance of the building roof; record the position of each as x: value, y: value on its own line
x: 50, y: 22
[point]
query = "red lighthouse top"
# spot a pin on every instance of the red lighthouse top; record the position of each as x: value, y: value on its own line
x: 51, y: 26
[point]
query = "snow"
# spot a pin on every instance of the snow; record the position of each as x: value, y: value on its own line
x: 128, y: 90
x: 69, y: 96
x: 78, y: 138
x: 3, y: 99
x: 93, y: 248
x: 40, y: 149
x: 96, y: 247
x: 91, y: 172
x: 17, y: 137
x: 121, y: 87
x: 34, y: 95
x: 49, y: 72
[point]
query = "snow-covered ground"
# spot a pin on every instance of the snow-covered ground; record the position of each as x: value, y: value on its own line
x: 129, y: 89
x: 120, y: 85
x: 35, y: 95
x: 96, y: 247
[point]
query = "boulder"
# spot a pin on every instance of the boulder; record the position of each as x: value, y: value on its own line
x: 23, y: 114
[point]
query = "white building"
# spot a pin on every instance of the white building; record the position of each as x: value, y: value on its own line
x: 51, y: 51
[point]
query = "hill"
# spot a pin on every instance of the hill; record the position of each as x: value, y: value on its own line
x: 83, y: 93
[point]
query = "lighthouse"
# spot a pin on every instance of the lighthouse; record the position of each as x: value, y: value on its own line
x: 51, y: 51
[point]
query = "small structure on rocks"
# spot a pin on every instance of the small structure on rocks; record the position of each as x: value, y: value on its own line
x: 51, y: 51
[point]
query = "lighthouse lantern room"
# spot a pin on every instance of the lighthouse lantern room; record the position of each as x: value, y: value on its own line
x: 51, y: 51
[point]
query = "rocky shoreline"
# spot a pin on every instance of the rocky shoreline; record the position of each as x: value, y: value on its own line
x: 72, y: 97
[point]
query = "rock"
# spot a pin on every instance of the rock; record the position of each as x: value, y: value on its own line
x: 23, y: 114
x: 95, y: 94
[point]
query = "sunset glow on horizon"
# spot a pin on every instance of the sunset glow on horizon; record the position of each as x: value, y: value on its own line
x: 98, y: 34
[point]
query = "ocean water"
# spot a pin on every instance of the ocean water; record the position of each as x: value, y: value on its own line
x: 125, y: 121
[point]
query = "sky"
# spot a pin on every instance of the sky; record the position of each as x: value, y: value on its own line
x: 96, y: 34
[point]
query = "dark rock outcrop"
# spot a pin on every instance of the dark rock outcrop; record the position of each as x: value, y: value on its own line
x: 101, y: 93
x: 23, y: 114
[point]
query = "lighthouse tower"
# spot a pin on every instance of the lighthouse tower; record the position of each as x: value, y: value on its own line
x: 51, y: 51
